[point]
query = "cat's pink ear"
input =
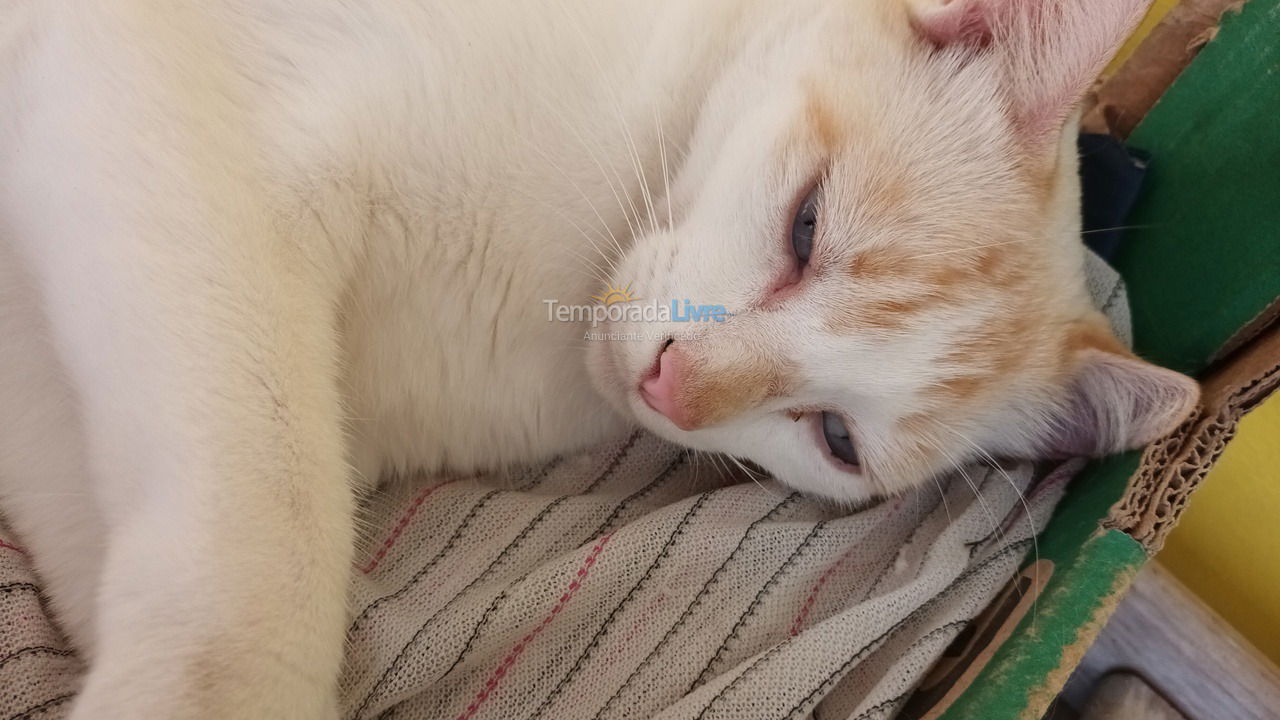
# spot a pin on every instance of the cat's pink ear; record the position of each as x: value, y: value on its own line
x: 1116, y: 402
x: 952, y: 22
x: 1048, y: 52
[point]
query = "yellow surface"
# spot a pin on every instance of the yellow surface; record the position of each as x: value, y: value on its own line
x: 1227, y: 546
x: 1154, y: 15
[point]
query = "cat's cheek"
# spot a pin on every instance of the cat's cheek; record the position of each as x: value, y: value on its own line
x: 602, y: 371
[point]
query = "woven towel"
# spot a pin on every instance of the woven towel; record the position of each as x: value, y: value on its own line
x: 638, y: 581
x: 633, y: 582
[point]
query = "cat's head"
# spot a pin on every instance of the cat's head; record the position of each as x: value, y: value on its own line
x: 885, y: 198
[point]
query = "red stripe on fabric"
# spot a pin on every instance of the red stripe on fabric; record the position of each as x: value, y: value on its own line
x: 817, y: 588
x: 507, y: 662
x: 14, y: 548
x: 400, y: 526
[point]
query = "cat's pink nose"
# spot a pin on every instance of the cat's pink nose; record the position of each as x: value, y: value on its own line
x: 660, y: 390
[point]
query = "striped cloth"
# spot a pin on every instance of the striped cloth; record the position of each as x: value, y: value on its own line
x: 633, y: 582
x: 637, y: 581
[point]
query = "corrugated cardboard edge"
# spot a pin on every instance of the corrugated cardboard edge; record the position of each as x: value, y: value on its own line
x: 1123, y: 100
x: 1172, y: 468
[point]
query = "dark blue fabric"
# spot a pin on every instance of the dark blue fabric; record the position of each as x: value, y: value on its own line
x: 1110, y: 178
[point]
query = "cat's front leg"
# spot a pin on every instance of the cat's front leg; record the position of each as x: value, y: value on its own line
x: 219, y: 450
x: 196, y: 330
x: 206, y: 381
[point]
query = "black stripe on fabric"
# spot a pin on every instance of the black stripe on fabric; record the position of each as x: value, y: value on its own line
x: 894, y: 701
x: 755, y: 603
x: 976, y: 545
x: 999, y: 529
x: 19, y: 587
x: 697, y: 600
x: 502, y: 596
x: 42, y: 708
x: 1111, y: 296
x: 617, y: 459
x: 458, y: 532
x: 875, y: 642
x: 884, y: 570
x: 34, y: 650
x: 604, y: 628
x: 515, y: 542
x: 680, y: 460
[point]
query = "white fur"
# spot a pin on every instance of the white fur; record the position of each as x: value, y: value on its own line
x: 255, y: 255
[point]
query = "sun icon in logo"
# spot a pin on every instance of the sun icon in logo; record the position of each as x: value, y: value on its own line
x: 613, y: 295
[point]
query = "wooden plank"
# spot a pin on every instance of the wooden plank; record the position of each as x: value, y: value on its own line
x: 1182, y: 648
x: 1125, y: 696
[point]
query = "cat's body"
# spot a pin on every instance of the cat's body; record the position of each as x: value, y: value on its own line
x: 254, y: 255
x: 467, y: 189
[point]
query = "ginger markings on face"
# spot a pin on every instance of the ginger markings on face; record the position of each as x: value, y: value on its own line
x: 939, y: 309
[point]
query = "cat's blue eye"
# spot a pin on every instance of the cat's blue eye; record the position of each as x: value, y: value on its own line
x: 804, y: 226
x: 838, y: 439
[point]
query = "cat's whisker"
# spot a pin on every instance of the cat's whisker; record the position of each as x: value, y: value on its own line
x: 722, y: 463
x: 697, y: 467
x: 967, y: 249
x: 629, y: 139
x: 1147, y: 226
x: 599, y: 274
x: 751, y: 474
x: 591, y: 205
x: 596, y: 272
x: 708, y: 460
x: 589, y: 268
x: 977, y: 494
x: 594, y: 157
x: 986, y: 456
x: 952, y: 460
x: 942, y: 495
x: 718, y: 464
x: 637, y: 166
x: 1026, y: 507
x: 633, y: 152
x: 666, y: 171
x: 567, y: 218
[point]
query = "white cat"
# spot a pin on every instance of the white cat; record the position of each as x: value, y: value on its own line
x: 255, y: 254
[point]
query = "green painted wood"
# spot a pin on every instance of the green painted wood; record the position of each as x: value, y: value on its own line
x: 1204, y: 256
x: 1087, y: 565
